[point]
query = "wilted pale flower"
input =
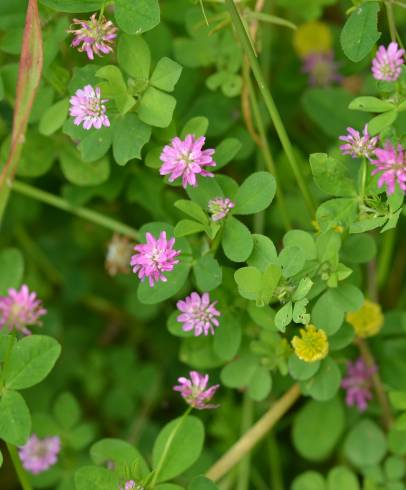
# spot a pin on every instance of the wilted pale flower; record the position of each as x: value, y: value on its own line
x: 312, y: 345
x: 87, y: 107
x: 131, y: 485
x: 195, y: 391
x: 321, y: 68
x: 20, y: 309
x: 366, y: 321
x: 95, y: 36
x: 154, y: 258
x: 357, y: 145
x: 38, y: 455
x: 387, y: 64
x: 186, y: 159
x: 391, y: 162
x: 198, y: 314
x: 219, y: 207
x: 118, y: 256
x: 358, y: 383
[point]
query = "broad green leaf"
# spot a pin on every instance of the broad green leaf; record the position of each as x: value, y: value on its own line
x: 301, y: 239
x: 31, y: 360
x: 227, y: 339
x: 96, y: 144
x: 207, y: 272
x: 115, y: 88
x: 201, y: 483
x: 66, y: 411
x: 188, y: 227
x: 394, y: 468
x: 398, y: 399
x: 255, y: 194
x: 304, y: 286
x: 327, y: 314
x: 371, y: 104
x: 197, y: 126
x: 96, y: 478
x: 130, y: 136
x: 310, y: 480
x: 347, y: 297
x: 360, y: 31
x: 359, y: 249
x: 264, y: 252
x: 325, y: 383
x: 207, y: 189
x: 73, y: 6
x: 193, y: 210
x: 299, y: 313
x: 301, y: 370
x: 248, y: 280
x: 239, y: 372
x: 54, y: 117
x: 137, y: 17
x: 269, y: 281
x: 134, y: 56
x: 15, y: 419
x: 226, y: 151
x: 178, y: 446
x: 340, y: 478
x: 331, y: 176
x: 284, y: 316
x: 83, y: 173
x: 365, y: 444
x: 156, y: 108
x: 237, y: 240
x: 338, y: 212
x: 378, y: 123
x: 260, y: 384
x: 166, y: 74
x: 292, y: 260
x: 317, y: 428
x: 12, y: 269
x: 164, y: 290
x: 121, y: 453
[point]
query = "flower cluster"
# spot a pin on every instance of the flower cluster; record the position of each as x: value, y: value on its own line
x: 186, y: 159
x: 388, y: 62
x: 38, y: 455
x: 154, y: 258
x: 198, y: 314
x: 93, y: 36
x: 131, y: 485
x: 20, y: 309
x: 87, y: 108
x: 312, y: 345
x: 321, y: 68
x: 367, y: 320
x: 358, y: 383
x: 195, y: 391
x: 391, y: 161
x: 358, y: 145
x: 219, y: 207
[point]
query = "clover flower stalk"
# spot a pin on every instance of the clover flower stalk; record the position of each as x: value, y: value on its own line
x: 312, y: 345
x: 93, y: 36
x: 154, y: 257
x: 358, y: 145
x: 358, y: 384
x: 38, y: 455
x: 186, y: 159
x: 195, y: 391
x: 219, y: 207
x: 388, y: 62
x: 367, y: 320
x: 198, y: 314
x: 391, y: 165
x: 321, y: 68
x: 88, y: 108
x: 20, y: 309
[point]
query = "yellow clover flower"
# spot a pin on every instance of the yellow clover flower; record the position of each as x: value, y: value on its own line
x: 312, y: 345
x: 312, y: 37
x: 366, y: 321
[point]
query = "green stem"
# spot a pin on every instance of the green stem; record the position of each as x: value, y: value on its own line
x: 275, y: 463
x: 270, y: 104
x: 168, y: 446
x: 363, y: 179
x: 244, y: 468
x: 21, y: 474
x: 6, y: 360
x: 266, y: 152
x: 385, y: 257
x: 88, y: 214
x: 391, y: 20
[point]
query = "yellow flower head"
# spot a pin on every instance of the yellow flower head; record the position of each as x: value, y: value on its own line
x: 313, y: 344
x: 312, y: 37
x: 367, y: 321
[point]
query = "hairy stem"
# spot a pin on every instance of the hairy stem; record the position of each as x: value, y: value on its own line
x: 21, y: 474
x: 387, y: 416
x: 269, y: 102
x: 88, y: 214
x: 244, y: 445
